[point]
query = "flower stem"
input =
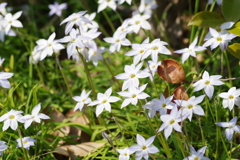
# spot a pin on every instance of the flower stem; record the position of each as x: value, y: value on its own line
x: 88, y: 75
x: 24, y: 150
x: 64, y: 77
x: 109, y: 21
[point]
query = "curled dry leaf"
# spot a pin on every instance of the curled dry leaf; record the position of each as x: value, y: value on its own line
x: 180, y: 93
x: 79, y: 150
x: 171, y: 71
x: 81, y: 119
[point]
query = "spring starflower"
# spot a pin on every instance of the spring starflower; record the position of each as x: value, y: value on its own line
x: 132, y: 75
x: 3, y: 147
x: 140, y: 21
x: 34, y: 117
x: 25, y: 142
x: 121, y: 1
x: 57, y: 8
x: 197, y: 155
x: 3, y: 79
x: 144, y: 147
x: 230, y: 98
x: 82, y: 100
x: 170, y: 122
x: 48, y: 47
x: 231, y: 127
x: 103, y: 101
x: 11, y: 21
x: 163, y: 104
x: 11, y: 119
x: 146, y: 6
x: 190, y: 51
x: 218, y: 39
x: 152, y: 68
x: 106, y: 3
x: 124, y: 153
x: 133, y: 94
x: 207, y: 82
x: 191, y: 106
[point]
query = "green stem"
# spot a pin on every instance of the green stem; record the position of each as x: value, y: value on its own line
x: 24, y: 150
x: 228, y: 67
x: 64, y: 77
x: 109, y: 21
x: 119, y: 16
x: 88, y: 75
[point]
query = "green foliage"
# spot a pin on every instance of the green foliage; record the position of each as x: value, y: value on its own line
x: 206, y: 19
x: 230, y: 10
x: 234, y: 49
x: 235, y: 29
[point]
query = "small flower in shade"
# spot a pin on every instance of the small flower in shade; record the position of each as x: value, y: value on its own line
x: 152, y: 68
x: 103, y: 101
x: 170, y: 122
x: 197, y: 155
x: 1, y: 61
x: 150, y: 105
x: 231, y: 127
x: 218, y: 39
x: 144, y: 147
x: 106, y: 3
x: 34, y: 117
x: 57, y: 8
x: 35, y: 57
x: 25, y: 142
x: 75, y: 19
x: 11, y: 119
x: 191, y: 106
x: 91, y: 17
x: 124, y: 153
x: 117, y: 41
x: 95, y: 53
x: 48, y: 47
x: 133, y: 94
x: 3, y: 147
x: 131, y: 75
x: 207, y: 82
x: 139, y: 21
x: 3, y: 79
x: 230, y: 98
x: 124, y: 27
x: 163, y: 104
x: 146, y: 6
x: 190, y: 51
x: 82, y: 100
x: 11, y: 21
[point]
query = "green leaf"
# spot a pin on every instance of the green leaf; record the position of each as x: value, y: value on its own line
x: 230, y: 10
x: 234, y: 49
x: 235, y: 29
x: 206, y: 19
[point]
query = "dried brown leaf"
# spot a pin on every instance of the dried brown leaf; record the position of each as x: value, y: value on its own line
x: 171, y: 71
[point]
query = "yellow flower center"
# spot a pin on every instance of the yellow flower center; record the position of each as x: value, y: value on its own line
x: 144, y: 147
x: 219, y: 39
x: 117, y: 40
x: 133, y: 96
x: 164, y: 105
x: 207, y: 82
x: 24, y: 142
x: 122, y: 29
x: 138, y: 22
x: 83, y: 100
x: 230, y: 97
x: 75, y: 19
x: 10, y: 21
x: 49, y: 45
x: 141, y: 51
x: 190, y: 106
x: 219, y: 29
x: 11, y: 117
x: 196, y: 158
x: 125, y: 154
x: 154, y: 66
x: 108, y: 0
x: 94, y: 53
x: 172, y: 121
x: 104, y: 101
x: 155, y: 48
x: 230, y: 127
x: 132, y: 75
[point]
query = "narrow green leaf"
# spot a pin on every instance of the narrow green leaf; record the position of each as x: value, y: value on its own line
x: 234, y: 49
x: 206, y: 19
x: 235, y: 29
x: 230, y: 10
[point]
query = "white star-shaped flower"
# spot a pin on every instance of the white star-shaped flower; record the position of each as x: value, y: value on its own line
x: 103, y: 101
x: 82, y: 100
x: 140, y: 21
x: 144, y: 147
x: 57, y: 8
x: 133, y: 94
x: 190, y: 51
x: 231, y: 127
x: 131, y: 75
x: 11, y: 21
x: 25, y: 142
x: 230, y: 98
x: 124, y: 153
x: 207, y: 82
x: 3, y: 147
x: 197, y: 155
x: 3, y: 79
x: 11, y: 119
x: 106, y: 3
